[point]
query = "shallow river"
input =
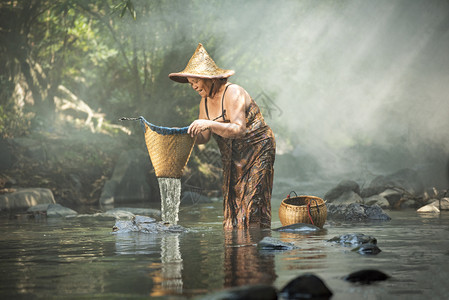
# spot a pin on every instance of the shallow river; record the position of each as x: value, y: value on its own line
x: 82, y: 258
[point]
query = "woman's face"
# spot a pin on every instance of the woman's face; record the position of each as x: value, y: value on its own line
x: 201, y: 86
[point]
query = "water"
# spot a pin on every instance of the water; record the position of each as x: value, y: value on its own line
x: 82, y: 258
x: 170, y: 189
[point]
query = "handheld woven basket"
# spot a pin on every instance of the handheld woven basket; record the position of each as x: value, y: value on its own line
x: 303, y: 209
x: 169, y: 148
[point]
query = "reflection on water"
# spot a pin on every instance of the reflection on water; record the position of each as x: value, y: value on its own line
x: 74, y: 258
x: 243, y: 263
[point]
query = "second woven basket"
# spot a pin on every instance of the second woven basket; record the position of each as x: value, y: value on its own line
x: 303, y: 209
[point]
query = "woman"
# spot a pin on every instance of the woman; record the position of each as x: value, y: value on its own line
x: 246, y: 142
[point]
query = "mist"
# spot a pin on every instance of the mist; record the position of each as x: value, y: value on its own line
x: 359, y: 84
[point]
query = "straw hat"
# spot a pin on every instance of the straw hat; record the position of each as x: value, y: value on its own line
x: 200, y: 65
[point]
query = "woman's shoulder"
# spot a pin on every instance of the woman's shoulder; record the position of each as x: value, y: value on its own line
x: 235, y: 91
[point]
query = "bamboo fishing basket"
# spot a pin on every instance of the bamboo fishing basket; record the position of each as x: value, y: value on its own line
x: 303, y: 209
x: 169, y: 148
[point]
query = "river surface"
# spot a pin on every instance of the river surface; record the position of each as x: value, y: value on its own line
x: 82, y: 258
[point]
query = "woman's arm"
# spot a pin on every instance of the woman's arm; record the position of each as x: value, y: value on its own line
x: 235, y: 106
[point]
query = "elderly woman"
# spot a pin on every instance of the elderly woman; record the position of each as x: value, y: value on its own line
x: 246, y: 142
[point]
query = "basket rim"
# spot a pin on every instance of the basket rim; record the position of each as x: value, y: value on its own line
x: 283, y: 202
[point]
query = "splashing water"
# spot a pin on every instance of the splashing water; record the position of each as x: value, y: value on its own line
x: 170, y: 189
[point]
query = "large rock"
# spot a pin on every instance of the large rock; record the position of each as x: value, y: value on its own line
x: 130, y: 181
x: 348, y: 197
x: 26, y: 197
x: 378, y: 200
x: 356, y: 212
x: 406, y: 179
x: 307, y: 286
x: 58, y: 211
x: 342, y: 188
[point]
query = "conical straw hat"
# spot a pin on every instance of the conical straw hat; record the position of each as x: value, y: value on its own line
x: 200, y: 65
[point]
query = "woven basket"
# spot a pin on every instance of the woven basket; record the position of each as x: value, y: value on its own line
x: 296, y: 210
x: 169, y: 152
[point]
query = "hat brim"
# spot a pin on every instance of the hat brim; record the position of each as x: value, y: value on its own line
x: 182, y: 77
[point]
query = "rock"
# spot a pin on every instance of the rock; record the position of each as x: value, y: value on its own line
x: 26, y: 198
x: 429, y: 208
x: 146, y: 225
x: 366, y: 276
x: 248, y: 292
x: 348, y: 197
x: 57, y: 210
x: 406, y: 179
x: 378, y: 200
x: 343, y: 187
x: 371, y: 191
x: 369, y: 248
x: 393, y: 197
x: 356, y: 212
x: 307, y: 286
x: 272, y: 244
x: 442, y: 204
x: 114, y: 214
x: 155, y: 213
x: 352, y: 239
x: 299, y: 228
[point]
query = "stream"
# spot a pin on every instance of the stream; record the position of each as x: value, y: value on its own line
x: 81, y: 258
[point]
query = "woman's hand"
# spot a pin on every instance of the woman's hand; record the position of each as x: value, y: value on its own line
x: 198, y: 126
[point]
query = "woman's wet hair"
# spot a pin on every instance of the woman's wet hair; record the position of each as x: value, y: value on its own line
x: 216, y: 85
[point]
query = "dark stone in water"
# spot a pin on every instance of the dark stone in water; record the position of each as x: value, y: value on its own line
x: 298, y: 227
x: 307, y: 286
x: 249, y: 292
x: 146, y: 225
x: 354, y: 239
x: 366, y: 276
x: 370, y: 249
x: 272, y: 244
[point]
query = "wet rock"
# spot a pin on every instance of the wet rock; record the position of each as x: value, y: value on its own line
x: 155, y: 213
x: 25, y: 198
x: 145, y: 224
x: 299, y: 228
x: 370, y: 249
x: 356, y: 212
x: 249, y: 292
x: 354, y: 239
x: 378, y: 200
x: 307, y: 286
x: 57, y: 211
x: 342, y: 188
x: 114, y: 214
x: 272, y: 244
x: 441, y: 204
x: 366, y: 276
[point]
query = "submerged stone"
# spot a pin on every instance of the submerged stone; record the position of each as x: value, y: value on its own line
x: 298, y: 227
x: 366, y: 276
x: 248, y: 292
x: 352, y: 239
x: 272, y: 244
x: 370, y: 249
x: 146, y: 225
x: 307, y: 286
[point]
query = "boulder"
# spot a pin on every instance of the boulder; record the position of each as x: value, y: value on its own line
x: 367, y: 249
x: 366, y: 276
x: 354, y: 239
x: 342, y: 188
x: 299, y: 228
x: 429, y: 208
x: 272, y: 244
x: 24, y: 198
x: 145, y: 224
x: 348, y: 197
x: 382, y: 202
x: 356, y: 212
x: 406, y: 179
x: 307, y: 286
x: 57, y: 211
x: 393, y: 196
